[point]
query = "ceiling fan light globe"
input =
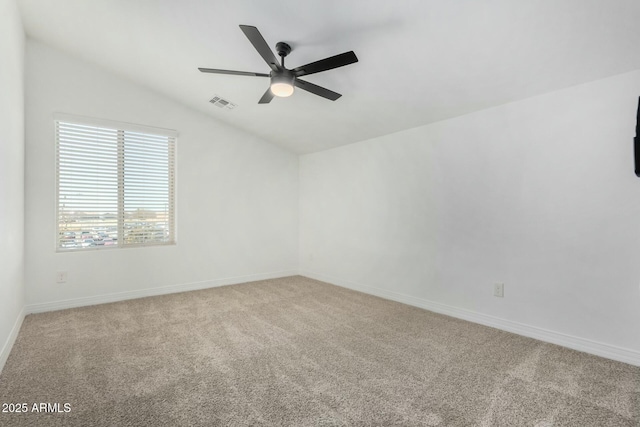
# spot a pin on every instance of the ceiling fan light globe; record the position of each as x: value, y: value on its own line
x: 282, y: 90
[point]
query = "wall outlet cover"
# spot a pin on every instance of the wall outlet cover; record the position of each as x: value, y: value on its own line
x: 61, y: 277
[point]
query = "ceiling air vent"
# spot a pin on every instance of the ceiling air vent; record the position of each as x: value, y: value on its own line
x: 218, y: 101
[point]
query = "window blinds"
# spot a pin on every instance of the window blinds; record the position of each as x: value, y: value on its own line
x: 115, y: 187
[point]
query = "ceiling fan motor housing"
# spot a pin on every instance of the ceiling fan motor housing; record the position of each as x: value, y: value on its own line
x: 283, y: 76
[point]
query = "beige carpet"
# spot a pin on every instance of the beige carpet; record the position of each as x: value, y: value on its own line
x: 298, y: 352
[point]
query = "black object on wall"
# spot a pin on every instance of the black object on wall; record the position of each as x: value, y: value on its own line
x: 636, y: 141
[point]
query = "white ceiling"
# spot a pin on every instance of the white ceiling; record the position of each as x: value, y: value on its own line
x: 420, y: 60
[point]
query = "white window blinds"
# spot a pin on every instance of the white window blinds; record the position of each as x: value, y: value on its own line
x: 115, y: 186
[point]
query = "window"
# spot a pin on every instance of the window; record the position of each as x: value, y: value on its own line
x: 115, y: 184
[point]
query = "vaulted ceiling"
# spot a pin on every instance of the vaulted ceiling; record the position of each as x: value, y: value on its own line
x: 420, y: 61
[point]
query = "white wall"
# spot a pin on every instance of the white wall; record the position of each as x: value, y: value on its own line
x: 11, y: 174
x: 237, y: 198
x: 539, y: 194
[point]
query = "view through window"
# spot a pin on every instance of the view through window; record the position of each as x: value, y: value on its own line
x: 115, y: 187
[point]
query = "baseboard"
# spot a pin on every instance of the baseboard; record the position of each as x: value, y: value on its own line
x: 8, y: 344
x: 620, y: 354
x: 141, y: 293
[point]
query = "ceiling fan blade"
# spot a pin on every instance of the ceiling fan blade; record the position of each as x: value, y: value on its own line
x: 235, y: 73
x: 261, y: 46
x: 326, y: 64
x: 317, y: 90
x: 267, y: 97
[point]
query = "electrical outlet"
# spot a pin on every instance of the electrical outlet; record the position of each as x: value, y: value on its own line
x: 61, y: 277
x: 498, y: 290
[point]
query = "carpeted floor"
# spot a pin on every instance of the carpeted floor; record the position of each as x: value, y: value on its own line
x: 298, y: 352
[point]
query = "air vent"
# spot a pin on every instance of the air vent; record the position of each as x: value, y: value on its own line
x: 219, y: 101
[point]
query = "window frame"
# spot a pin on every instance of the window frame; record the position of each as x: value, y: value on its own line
x: 119, y: 127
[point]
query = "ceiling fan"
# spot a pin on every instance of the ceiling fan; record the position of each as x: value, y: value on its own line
x: 283, y: 80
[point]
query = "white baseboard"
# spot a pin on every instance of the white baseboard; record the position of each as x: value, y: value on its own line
x: 141, y: 293
x: 8, y: 344
x: 620, y: 354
